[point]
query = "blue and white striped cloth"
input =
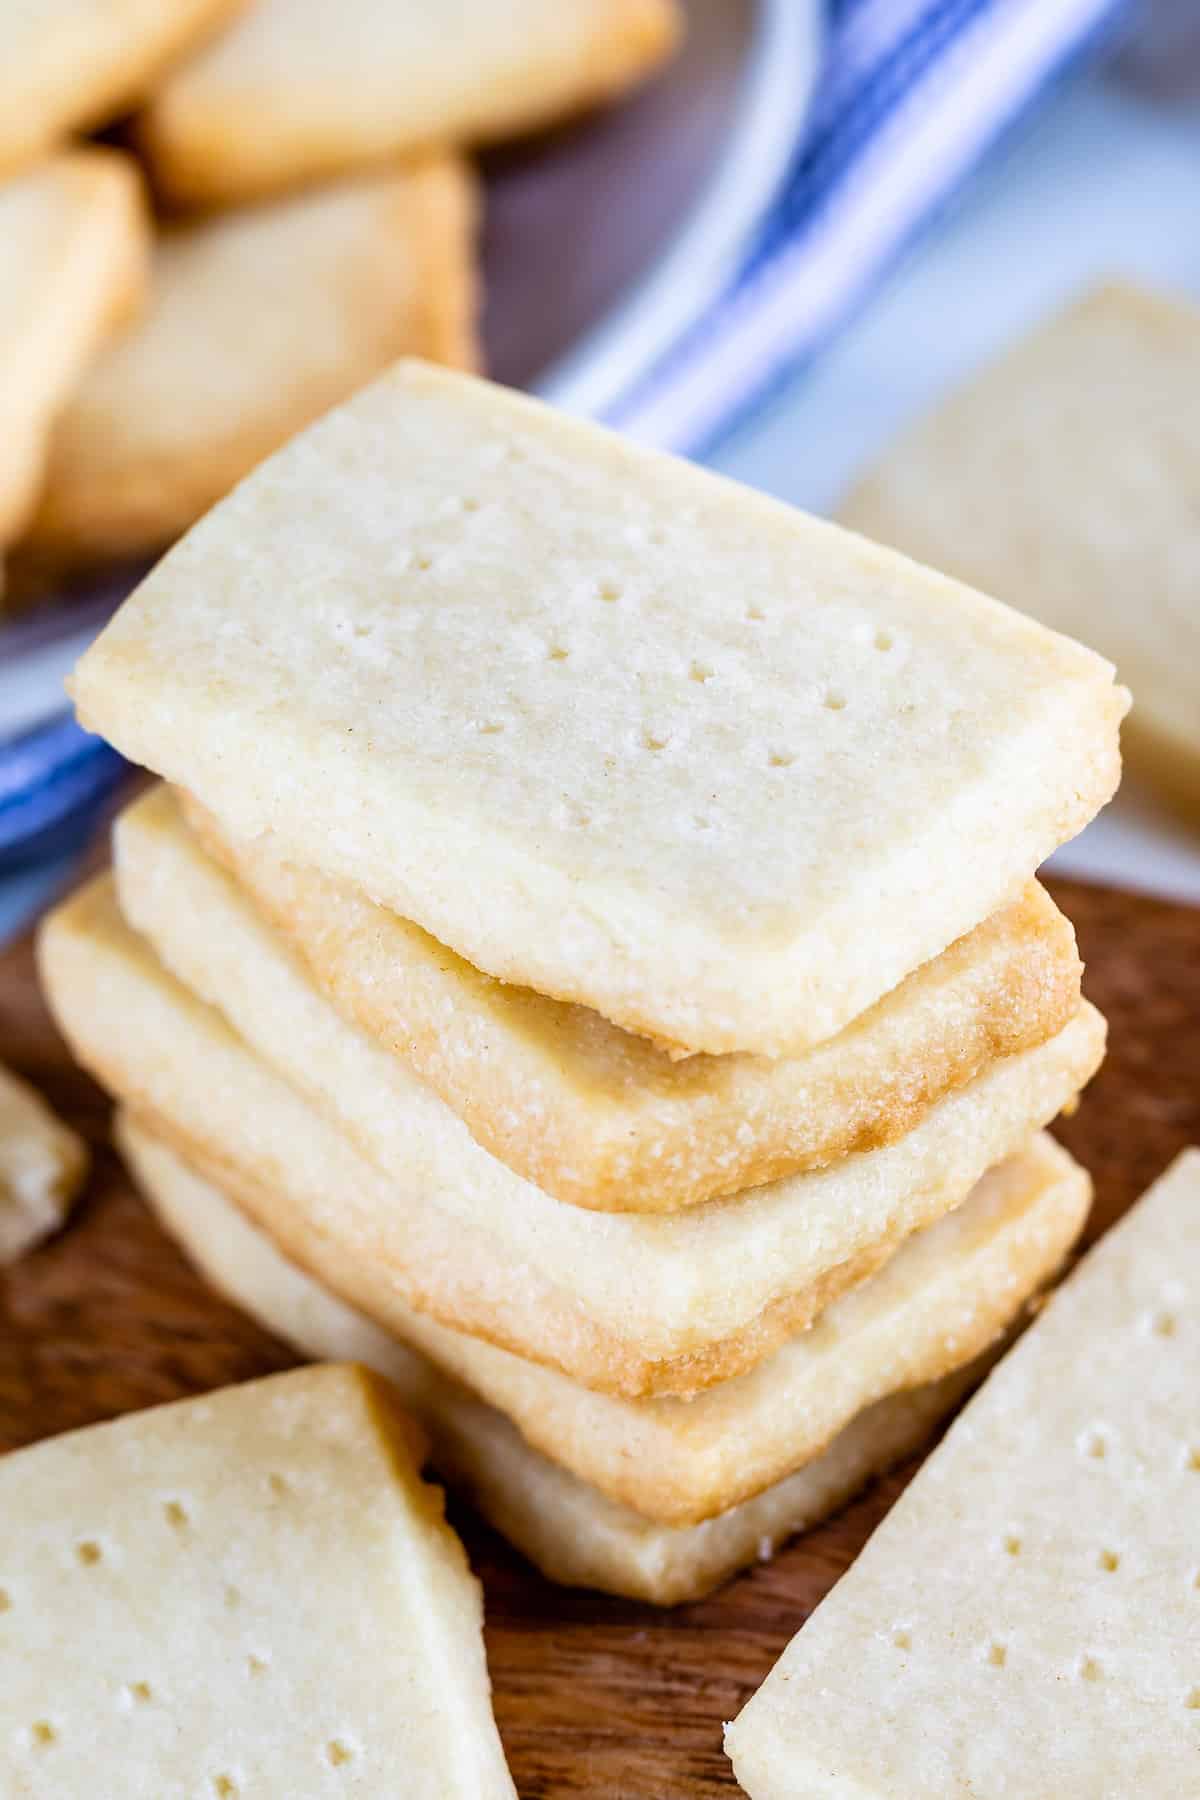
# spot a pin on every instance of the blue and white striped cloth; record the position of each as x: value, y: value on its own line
x: 912, y: 96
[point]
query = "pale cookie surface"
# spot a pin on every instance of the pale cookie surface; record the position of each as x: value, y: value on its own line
x: 624, y: 1303
x: 73, y: 245
x: 72, y: 64
x: 42, y: 1167
x: 257, y: 322
x: 601, y: 1118
x: 1026, y: 1621
x: 566, y: 1527
x: 1065, y: 478
x: 249, y: 1592
x: 948, y: 1293
x: 608, y: 725
x: 299, y: 89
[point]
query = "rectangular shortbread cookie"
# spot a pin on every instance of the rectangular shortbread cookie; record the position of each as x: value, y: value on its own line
x: 598, y: 1116
x: 630, y: 1304
x: 1027, y: 1619
x: 251, y: 1592
x: 257, y: 322
x: 299, y: 90
x: 67, y: 65
x: 1063, y: 477
x: 606, y: 724
x: 73, y: 248
x: 42, y: 1167
x: 570, y: 1530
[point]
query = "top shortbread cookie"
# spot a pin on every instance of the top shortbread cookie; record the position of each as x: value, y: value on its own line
x: 611, y: 727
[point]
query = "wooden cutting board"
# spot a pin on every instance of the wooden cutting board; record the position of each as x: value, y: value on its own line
x: 594, y: 1696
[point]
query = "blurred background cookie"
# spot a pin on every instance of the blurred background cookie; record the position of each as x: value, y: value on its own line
x: 298, y: 90
x: 73, y: 242
x: 71, y: 65
x: 258, y: 321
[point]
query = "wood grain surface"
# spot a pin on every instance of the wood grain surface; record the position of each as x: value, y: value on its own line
x: 594, y: 1696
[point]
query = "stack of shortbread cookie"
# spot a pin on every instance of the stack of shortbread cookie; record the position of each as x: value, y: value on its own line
x: 588, y: 963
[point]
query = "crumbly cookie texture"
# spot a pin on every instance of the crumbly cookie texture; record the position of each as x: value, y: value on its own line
x: 43, y: 1164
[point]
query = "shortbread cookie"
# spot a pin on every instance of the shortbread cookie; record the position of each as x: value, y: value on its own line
x: 66, y: 65
x: 566, y: 1527
x: 258, y: 322
x: 608, y: 725
x: 630, y: 1304
x: 947, y: 1295
x: 298, y: 89
x: 1065, y: 477
x: 42, y: 1167
x: 249, y: 1592
x: 597, y: 1116
x: 73, y: 243
x: 1025, y: 1620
